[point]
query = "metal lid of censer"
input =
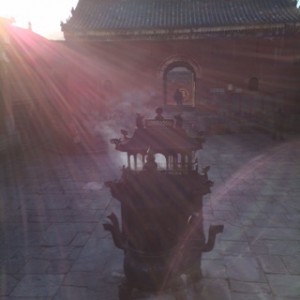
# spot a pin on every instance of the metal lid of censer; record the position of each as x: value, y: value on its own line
x: 164, y: 136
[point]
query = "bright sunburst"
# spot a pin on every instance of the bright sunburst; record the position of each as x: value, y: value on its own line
x: 44, y: 15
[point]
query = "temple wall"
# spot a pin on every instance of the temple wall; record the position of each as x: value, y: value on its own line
x: 223, y: 63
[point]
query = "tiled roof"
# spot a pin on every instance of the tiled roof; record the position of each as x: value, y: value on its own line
x: 32, y: 47
x: 110, y: 15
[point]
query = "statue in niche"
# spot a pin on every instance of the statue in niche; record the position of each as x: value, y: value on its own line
x: 178, y: 97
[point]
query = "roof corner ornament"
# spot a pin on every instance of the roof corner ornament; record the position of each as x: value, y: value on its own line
x: 125, y: 134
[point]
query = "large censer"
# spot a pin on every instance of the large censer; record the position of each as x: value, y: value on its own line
x: 161, y: 231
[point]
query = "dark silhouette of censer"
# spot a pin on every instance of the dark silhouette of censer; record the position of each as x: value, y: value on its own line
x: 161, y: 232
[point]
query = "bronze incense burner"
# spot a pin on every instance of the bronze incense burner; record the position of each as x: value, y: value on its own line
x: 161, y: 230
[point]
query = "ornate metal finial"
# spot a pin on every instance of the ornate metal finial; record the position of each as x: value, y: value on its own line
x: 159, y: 112
x: 139, y: 121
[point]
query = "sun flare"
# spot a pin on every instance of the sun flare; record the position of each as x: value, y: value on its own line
x: 44, y: 16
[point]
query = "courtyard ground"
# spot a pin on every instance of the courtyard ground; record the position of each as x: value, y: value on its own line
x: 52, y: 206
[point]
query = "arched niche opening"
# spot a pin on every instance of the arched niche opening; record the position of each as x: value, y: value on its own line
x: 161, y: 161
x: 135, y: 161
x: 179, y: 77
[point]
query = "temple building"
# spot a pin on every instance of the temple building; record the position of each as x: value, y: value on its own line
x: 238, y: 57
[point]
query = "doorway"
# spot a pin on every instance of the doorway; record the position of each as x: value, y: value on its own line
x: 179, y: 76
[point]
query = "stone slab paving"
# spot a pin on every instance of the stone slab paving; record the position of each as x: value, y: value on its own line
x: 53, y: 246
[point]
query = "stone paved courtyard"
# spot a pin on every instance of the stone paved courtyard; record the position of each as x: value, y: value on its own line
x: 53, y: 246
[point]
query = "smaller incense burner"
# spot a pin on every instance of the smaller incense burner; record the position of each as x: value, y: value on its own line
x: 161, y: 230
